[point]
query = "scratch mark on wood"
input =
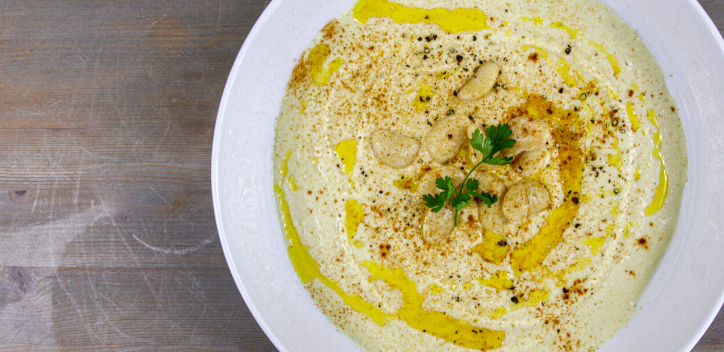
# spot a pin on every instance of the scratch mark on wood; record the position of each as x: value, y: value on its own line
x: 160, y: 196
x: 76, y: 306
x: 100, y: 307
x: 218, y: 18
x: 52, y: 199
x: 174, y: 251
x: 35, y: 202
x: 30, y: 51
x: 76, y: 192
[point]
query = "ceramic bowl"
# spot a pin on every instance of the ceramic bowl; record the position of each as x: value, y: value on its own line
x: 683, y: 296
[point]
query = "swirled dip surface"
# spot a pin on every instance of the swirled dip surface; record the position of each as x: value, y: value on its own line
x: 566, y: 278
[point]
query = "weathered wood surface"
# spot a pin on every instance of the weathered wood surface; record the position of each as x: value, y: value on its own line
x: 107, y: 111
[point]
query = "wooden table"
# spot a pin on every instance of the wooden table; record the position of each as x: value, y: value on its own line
x: 107, y: 111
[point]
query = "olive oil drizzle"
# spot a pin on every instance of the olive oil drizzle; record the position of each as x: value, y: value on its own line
x: 453, y: 21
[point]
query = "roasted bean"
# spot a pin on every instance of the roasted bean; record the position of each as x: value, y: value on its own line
x: 394, y: 149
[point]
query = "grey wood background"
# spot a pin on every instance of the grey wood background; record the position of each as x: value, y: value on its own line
x: 107, y: 233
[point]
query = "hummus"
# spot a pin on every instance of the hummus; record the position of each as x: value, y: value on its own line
x: 565, y: 273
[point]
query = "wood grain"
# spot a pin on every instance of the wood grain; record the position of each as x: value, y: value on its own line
x: 107, y: 111
x: 124, y: 308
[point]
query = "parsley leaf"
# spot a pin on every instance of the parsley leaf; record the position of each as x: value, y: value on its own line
x: 498, y: 138
x: 477, y: 141
x: 435, y: 202
x: 461, y: 201
x: 499, y: 161
x: 472, y: 185
x: 487, y: 198
x: 445, y: 184
x: 495, y: 139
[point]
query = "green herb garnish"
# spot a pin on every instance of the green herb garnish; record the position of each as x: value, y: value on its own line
x: 497, y: 140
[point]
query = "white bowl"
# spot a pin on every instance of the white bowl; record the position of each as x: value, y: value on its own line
x: 682, y: 298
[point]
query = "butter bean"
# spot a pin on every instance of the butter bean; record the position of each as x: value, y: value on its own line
x: 446, y: 137
x: 528, y: 163
x: 489, y: 182
x: 436, y: 227
x: 492, y: 217
x: 523, y: 199
x: 481, y: 83
x: 529, y: 134
x: 394, y: 149
x: 538, y: 197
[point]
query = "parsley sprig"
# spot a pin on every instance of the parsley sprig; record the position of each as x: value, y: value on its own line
x: 498, y: 138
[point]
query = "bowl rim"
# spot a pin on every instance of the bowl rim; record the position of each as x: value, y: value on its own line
x: 704, y: 326
x: 253, y: 33
x: 215, y: 159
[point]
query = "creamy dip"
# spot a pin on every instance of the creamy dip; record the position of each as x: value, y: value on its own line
x: 565, y: 278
